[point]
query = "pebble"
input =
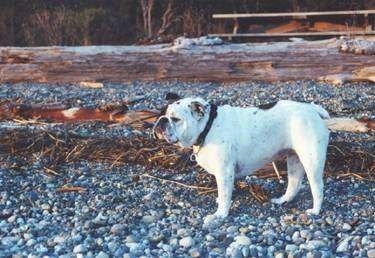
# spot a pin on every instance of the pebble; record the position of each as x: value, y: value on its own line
x: 209, y: 238
x: 315, y: 244
x: 371, y: 253
x: 186, y: 242
x: 102, y: 254
x: 9, y: 241
x: 194, y: 252
x: 232, y: 229
x: 80, y: 249
x: 290, y: 248
x: 118, y: 229
x: 148, y: 219
x: 346, y: 227
x: 242, y: 240
x: 329, y: 220
x: 45, y: 206
x: 279, y: 255
x: 306, y: 234
x: 183, y: 232
x: 343, y: 245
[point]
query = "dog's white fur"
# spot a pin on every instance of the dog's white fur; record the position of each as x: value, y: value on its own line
x: 242, y: 140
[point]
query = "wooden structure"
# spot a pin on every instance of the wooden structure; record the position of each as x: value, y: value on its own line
x: 298, y: 24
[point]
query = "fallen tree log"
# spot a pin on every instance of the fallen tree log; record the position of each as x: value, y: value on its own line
x: 230, y: 62
x: 58, y: 112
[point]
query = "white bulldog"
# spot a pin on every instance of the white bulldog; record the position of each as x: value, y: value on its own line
x: 231, y: 142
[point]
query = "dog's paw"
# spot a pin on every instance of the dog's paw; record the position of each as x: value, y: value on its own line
x: 280, y: 200
x: 212, y: 221
x: 312, y: 212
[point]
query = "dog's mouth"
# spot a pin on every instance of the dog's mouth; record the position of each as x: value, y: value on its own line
x: 159, y: 133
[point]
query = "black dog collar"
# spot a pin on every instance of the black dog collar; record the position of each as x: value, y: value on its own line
x: 203, y: 134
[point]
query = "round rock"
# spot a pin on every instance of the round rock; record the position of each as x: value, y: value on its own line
x: 186, y: 242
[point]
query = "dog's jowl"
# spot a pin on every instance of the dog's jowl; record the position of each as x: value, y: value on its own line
x: 230, y: 142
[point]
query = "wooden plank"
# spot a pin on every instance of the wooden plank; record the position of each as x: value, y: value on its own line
x: 288, y: 27
x: 329, y: 26
x: 290, y: 14
x: 294, y: 34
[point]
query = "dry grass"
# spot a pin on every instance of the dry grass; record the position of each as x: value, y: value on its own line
x: 55, y: 149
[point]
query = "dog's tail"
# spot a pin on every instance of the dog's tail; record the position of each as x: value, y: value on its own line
x: 345, y: 123
x: 361, y: 125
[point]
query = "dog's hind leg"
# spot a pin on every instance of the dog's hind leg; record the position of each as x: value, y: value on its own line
x: 314, y: 170
x: 295, y: 176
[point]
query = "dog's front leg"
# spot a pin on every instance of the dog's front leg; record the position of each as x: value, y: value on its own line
x: 225, y: 183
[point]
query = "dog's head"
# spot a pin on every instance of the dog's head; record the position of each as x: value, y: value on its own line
x: 183, y: 121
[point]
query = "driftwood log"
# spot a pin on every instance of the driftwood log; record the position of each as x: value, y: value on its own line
x: 229, y: 62
x: 58, y: 112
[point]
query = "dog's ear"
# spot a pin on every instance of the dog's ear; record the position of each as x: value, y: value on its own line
x: 172, y: 97
x: 198, y: 109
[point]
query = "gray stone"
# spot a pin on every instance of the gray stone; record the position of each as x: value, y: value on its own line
x: 31, y: 242
x: 167, y: 248
x: 371, y: 253
x: 112, y: 246
x: 270, y: 251
x: 243, y: 230
x: 41, y: 248
x: 296, y: 238
x: 233, y: 251
x: 186, y: 242
x: 148, y: 219
x: 306, y: 234
x: 194, y: 252
x: 315, y: 244
x: 102, y: 254
x: 279, y: 255
x: 242, y: 240
x: 183, y: 232
x: 343, y: 246
x: 45, y: 206
x: 9, y: 241
x: 329, y: 220
x: 245, y: 251
x: 346, y: 227
x: 79, y: 249
x: 232, y: 229
x: 313, y: 254
x: 59, y: 239
x: 118, y: 229
x: 12, y: 219
x: 130, y: 239
x: 291, y: 248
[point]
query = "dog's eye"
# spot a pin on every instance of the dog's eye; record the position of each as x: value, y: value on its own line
x: 175, y: 119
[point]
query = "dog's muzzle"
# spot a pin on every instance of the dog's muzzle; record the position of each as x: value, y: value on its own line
x: 160, y: 127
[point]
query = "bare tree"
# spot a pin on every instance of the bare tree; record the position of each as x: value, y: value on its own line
x: 166, y: 19
x: 146, y: 6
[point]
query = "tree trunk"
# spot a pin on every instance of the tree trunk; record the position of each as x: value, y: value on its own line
x: 225, y: 63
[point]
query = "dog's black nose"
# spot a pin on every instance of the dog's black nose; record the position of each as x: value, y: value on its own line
x: 163, y: 121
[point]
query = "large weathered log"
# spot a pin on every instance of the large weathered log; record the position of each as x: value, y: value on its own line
x: 230, y: 62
